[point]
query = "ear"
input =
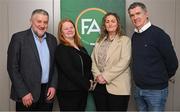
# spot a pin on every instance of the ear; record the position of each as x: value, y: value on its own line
x: 147, y: 14
x: 30, y: 21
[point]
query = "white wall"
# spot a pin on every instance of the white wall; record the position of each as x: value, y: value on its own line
x: 4, y: 79
x: 176, y: 98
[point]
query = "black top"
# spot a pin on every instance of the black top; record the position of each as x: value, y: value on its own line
x: 74, y: 68
x: 154, y: 58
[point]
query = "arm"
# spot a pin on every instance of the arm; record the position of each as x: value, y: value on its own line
x: 53, y: 81
x: 13, y: 67
x: 95, y: 69
x: 167, y: 51
x: 53, y: 69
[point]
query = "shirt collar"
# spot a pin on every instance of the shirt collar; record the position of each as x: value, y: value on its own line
x: 145, y: 27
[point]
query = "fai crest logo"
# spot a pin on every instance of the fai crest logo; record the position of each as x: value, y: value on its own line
x: 88, y: 24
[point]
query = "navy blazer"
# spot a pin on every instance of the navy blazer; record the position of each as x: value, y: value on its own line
x: 24, y: 68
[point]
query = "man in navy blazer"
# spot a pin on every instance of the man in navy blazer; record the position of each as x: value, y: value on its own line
x: 30, y: 64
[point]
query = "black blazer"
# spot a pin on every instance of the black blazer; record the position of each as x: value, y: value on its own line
x: 23, y: 65
x: 74, y: 68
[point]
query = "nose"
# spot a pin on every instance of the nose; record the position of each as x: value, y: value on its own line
x: 135, y: 16
x: 69, y: 30
x: 109, y: 24
x: 42, y: 25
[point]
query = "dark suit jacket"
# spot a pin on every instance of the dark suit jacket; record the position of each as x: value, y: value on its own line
x: 23, y: 65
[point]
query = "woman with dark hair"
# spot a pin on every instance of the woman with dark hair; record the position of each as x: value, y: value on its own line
x: 110, y: 66
x: 74, y: 69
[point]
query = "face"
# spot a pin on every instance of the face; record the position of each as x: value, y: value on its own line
x: 138, y: 16
x: 39, y: 24
x: 111, y: 24
x: 68, y: 30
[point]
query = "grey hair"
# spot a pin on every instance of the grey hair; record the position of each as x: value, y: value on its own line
x: 39, y: 11
x: 137, y: 4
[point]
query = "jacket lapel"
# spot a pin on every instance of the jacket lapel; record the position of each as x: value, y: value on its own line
x: 97, y: 49
x: 112, y: 48
x: 50, y: 47
x: 33, y: 46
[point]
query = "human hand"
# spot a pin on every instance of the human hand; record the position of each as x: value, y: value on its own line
x: 51, y: 93
x: 100, y: 79
x: 27, y: 100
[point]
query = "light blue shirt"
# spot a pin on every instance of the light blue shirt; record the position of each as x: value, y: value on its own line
x: 44, y: 56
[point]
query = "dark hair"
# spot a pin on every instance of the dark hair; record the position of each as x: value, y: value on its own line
x: 39, y: 11
x: 103, y: 28
x: 62, y: 38
x: 137, y: 4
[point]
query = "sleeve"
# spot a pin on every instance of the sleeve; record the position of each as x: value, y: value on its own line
x: 13, y: 67
x: 89, y: 65
x: 54, y: 79
x: 122, y: 65
x: 168, y: 53
x: 95, y: 70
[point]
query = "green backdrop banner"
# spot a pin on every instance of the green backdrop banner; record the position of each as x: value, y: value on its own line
x: 87, y: 16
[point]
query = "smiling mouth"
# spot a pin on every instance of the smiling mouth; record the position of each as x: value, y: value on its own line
x: 69, y: 33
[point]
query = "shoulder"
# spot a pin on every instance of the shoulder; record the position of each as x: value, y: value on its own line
x: 159, y: 33
x: 83, y: 49
x: 124, y: 38
x: 157, y: 29
x: 51, y: 36
x: 63, y: 48
x: 21, y: 33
